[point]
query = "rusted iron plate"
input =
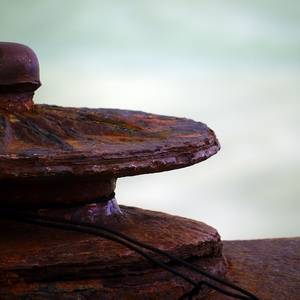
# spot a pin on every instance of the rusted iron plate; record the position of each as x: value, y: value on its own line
x: 52, y: 154
x: 51, y: 140
x: 40, y: 264
x: 268, y: 268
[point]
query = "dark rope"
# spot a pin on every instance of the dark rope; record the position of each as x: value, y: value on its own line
x: 92, y: 229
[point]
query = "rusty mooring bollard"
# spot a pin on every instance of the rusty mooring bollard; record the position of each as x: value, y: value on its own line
x: 64, y: 162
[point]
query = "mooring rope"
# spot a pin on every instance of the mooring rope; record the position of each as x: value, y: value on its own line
x: 118, y: 237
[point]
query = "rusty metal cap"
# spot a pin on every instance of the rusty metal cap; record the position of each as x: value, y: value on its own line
x: 19, y: 68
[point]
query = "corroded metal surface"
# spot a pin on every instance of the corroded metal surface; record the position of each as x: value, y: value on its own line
x: 268, y: 268
x: 51, y: 140
x: 51, y: 155
x: 56, y: 147
x: 19, y: 68
x: 57, y: 264
x: 19, y: 77
x: 55, y: 154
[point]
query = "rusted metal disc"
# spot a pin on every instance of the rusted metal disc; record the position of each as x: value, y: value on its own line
x: 56, y: 154
x: 51, y: 146
x: 49, y: 140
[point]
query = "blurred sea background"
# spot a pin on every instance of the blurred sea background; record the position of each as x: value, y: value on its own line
x: 234, y: 65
